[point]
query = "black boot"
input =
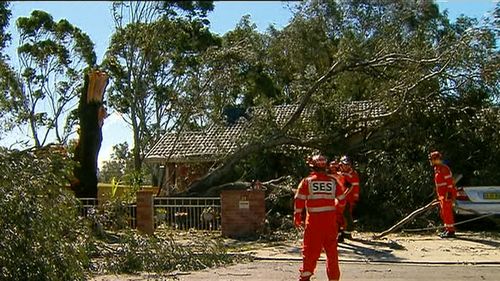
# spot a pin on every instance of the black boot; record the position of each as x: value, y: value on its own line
x: 448, y: 234
x: 341, y: 237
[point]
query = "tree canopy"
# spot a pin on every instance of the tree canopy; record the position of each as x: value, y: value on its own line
x: 434, y: 81
x: 43, y: 92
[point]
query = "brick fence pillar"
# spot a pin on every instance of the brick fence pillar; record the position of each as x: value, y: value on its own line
x: 145, y: 212
x: 243, y: 212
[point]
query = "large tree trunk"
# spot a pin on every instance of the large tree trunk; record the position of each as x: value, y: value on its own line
x: 91, y: 114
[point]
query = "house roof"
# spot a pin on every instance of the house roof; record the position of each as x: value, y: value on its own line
x: 221, y: 139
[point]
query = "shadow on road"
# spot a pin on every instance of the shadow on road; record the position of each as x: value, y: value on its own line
x: 370, y: 249
x: 390, y: 244
x: 483, y: 241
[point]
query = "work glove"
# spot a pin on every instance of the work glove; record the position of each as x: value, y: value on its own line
x: 297, y: 219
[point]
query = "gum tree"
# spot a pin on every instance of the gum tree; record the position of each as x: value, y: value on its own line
x: 153, y: 50
x: 44, y: 90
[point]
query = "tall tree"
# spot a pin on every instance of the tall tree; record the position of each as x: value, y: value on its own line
x: 52, y: 56
x: 153, y: 50
x: 91, y: 114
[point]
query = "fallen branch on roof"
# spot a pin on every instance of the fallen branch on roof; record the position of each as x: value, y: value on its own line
x: 238, y: 185
x: 280, y: 137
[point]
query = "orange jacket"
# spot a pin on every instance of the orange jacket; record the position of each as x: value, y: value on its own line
x: 443, y: 179
x: 352, y: 180
x: 319, y: 192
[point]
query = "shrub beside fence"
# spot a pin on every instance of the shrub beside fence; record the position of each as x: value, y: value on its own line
x: 90, y: 207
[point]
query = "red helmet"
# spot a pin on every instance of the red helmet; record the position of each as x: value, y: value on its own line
x: 317, y: 161
x: 435, y: 155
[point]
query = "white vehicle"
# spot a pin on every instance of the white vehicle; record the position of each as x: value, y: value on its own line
x: 478, y: 200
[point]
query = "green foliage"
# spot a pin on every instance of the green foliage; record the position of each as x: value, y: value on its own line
x: 42, y: 238
x: 192, y: 8
x: 150, y: 57
x: 436, y: 81
x: 5, y: 15
x: 120, y: 164
x: 43, y: 91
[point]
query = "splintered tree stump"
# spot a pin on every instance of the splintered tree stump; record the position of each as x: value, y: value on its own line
x: 91, y: 113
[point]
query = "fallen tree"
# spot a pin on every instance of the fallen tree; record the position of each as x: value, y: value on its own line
x: 357, y: 137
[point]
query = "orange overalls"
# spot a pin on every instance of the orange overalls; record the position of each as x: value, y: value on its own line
x: 351, y: 180
x: 340, y: 209
x: 319, y: 194
x: 446, y: 193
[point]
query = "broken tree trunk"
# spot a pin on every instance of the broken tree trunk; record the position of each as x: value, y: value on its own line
x: 407, y: 219
x: 91, y: 113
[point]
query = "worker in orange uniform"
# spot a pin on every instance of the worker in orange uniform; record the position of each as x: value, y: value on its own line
x: 320, y: 195
x: 334, y: 171
x: 351, y: 179
x: 445, y: 191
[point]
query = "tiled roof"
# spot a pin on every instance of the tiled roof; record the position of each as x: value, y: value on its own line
x: 207, y: 145
x: 356, y: 111
x: 220, y: 139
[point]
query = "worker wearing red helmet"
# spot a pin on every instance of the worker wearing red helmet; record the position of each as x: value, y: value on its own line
x: 351, y: 179
x: 445, y: 191
x: 320, y: 195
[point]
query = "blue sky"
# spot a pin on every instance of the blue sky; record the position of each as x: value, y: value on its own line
x: 94, y: 18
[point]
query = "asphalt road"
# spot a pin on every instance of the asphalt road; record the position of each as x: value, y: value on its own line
x: 285, y: 270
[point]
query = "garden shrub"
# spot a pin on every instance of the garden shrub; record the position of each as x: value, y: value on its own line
x: 41, y: 237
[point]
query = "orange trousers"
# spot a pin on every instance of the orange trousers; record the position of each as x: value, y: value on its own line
x: 446, y: 213
x: 321, y: 233
x: 341, y: 223
x: 345, y: 217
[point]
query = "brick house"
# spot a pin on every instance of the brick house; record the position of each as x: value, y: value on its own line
x: 186, y: 156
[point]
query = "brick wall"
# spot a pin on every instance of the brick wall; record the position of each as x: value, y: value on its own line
x: 145, y: 212
x: 242, y: 212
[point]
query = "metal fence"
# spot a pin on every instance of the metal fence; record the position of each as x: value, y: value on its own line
x: 184, y: 213
x: 89, y: 206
